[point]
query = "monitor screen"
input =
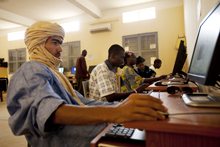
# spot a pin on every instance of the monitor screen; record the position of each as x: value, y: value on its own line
x: 91, y: 68
x: 61, y: 69
x: 204, y: 66
x: 73, y: 70
x: 180, y: 59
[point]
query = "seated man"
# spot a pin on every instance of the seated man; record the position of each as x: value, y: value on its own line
x: 157, y: 65
x: 143, y: 70
x: 102, y: 82
x: 130, y: 79
x: 49, y: 112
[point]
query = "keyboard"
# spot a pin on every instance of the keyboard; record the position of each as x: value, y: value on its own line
x: 119, y: 133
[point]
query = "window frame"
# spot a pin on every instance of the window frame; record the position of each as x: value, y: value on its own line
x: 68, y: 54
x: 17, y: 60
x: 139, y: 51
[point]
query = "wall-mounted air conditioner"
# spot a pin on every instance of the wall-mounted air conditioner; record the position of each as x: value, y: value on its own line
x: 98, y: 28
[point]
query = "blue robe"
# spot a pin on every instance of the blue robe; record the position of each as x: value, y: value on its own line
x: 34, y: 93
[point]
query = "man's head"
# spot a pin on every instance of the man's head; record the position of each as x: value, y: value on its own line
x: 116, y: 55
x: 157, y: 63
x: 84, y: 53
x: 44, y: 35
x: 140, y: 63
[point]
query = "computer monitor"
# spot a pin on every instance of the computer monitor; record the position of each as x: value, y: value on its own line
x: 204, y: 67
x: 91, y: 68
x: 61, y: 69
x: 180, y: 60
x: 73, y: 70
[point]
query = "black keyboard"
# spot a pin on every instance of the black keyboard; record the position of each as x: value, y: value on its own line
x: 118, y: 132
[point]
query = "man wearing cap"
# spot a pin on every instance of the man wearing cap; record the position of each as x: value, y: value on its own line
x: 143, y: 70
x: 45, y: 108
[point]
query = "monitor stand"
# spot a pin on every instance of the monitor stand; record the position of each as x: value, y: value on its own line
x: 202, y: 100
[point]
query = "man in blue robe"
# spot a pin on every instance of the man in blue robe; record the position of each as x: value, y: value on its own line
x: 49, y: 112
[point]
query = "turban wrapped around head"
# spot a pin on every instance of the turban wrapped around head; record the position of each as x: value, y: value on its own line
x: 39, y: 32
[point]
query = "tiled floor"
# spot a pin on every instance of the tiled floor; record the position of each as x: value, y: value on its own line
x: 7, y: 139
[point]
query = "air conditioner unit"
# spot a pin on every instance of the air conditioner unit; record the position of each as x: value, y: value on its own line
x: 98, y: 28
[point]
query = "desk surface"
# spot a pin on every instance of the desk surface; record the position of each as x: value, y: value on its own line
x: 197, y: 124
x: 164, y: 88
x: 198, y: 130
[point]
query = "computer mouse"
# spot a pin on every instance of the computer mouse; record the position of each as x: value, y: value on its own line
x: 166, y: 114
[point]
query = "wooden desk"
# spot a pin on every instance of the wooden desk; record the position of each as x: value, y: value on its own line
x: 194, y: 130
x: 71, y: 78
x: 197, y: 130
x: 164, y: 88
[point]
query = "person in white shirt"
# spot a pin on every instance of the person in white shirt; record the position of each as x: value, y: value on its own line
x: 157, y: 65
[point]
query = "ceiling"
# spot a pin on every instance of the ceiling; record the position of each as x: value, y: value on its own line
x: 23, y: 13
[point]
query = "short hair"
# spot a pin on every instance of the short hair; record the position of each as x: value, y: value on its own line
x: 157, y: 61
x: 115, y: 49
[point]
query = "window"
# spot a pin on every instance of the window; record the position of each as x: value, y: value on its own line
x: 138, y: 15
x: 71, y: 26
x: 71, y: 52
x: 144, y: 45
x: 16, y: 58
x: 16, y: 35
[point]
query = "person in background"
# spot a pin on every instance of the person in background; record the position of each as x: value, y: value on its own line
x: 157, y: 65
x: 45, y: 108
x: 102, y: 83
x: 81, y: 71
x: 130, y: 79
x: 143, y: 70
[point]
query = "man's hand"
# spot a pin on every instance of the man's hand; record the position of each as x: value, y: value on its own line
x: 139, y: 107
x: 142, y: 87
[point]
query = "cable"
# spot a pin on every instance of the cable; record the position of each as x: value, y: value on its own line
x: 195, y: 113
x: 195, y: 84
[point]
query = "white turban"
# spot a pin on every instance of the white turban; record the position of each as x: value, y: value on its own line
x: 35, y: 38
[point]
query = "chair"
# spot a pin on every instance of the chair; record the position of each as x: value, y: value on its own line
x: 119, y: 82
x: 3, y: 86
x: 85, y: 85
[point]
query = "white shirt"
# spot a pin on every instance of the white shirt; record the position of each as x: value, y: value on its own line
x: 102, y: 82
x: 152, y: 67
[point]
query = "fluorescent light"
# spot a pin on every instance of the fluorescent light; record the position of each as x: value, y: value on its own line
x: 138, y: 15
x: 71, y: 26
x: 16, y: 35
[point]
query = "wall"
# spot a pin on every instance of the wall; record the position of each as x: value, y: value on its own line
x: 169, y: 23
x: 192, y: 24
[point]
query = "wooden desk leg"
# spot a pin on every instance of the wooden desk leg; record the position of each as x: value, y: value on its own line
x: 164, y: 139
x: 1, y: 96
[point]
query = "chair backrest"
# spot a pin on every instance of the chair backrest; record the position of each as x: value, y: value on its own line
x: 85, y: 85
x: 3, y: 84
x: 119, y: 82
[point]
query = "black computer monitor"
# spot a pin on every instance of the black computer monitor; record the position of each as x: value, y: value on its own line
x: 180, y: 59
x: 73, y: 70
x: 91, y: 68
x: 205, y: 63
